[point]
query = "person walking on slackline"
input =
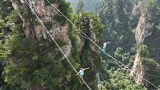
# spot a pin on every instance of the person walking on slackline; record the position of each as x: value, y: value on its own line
x: 104, y: 46
x: 81, y: 73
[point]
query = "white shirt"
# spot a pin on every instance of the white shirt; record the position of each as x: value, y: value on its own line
x: 105, y: 44
x: 81, y: 72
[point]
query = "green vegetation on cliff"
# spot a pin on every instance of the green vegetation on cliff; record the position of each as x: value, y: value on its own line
x: 30, y: 63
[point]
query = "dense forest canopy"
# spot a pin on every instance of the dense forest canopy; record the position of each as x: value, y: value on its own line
x: 79, y: 45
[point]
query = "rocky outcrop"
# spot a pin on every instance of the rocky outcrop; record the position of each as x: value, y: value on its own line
x: 137, y: 8
x: 145, y: 29
x: 138, y: 70
x: 32, y: 27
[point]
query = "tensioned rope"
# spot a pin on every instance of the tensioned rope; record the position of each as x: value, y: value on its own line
x: 47, y: 31
x: 93, y: 41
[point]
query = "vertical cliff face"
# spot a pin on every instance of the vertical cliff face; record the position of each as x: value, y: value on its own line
x: 146, y: 34
x: 33, y: 28
x: 141, y: 32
